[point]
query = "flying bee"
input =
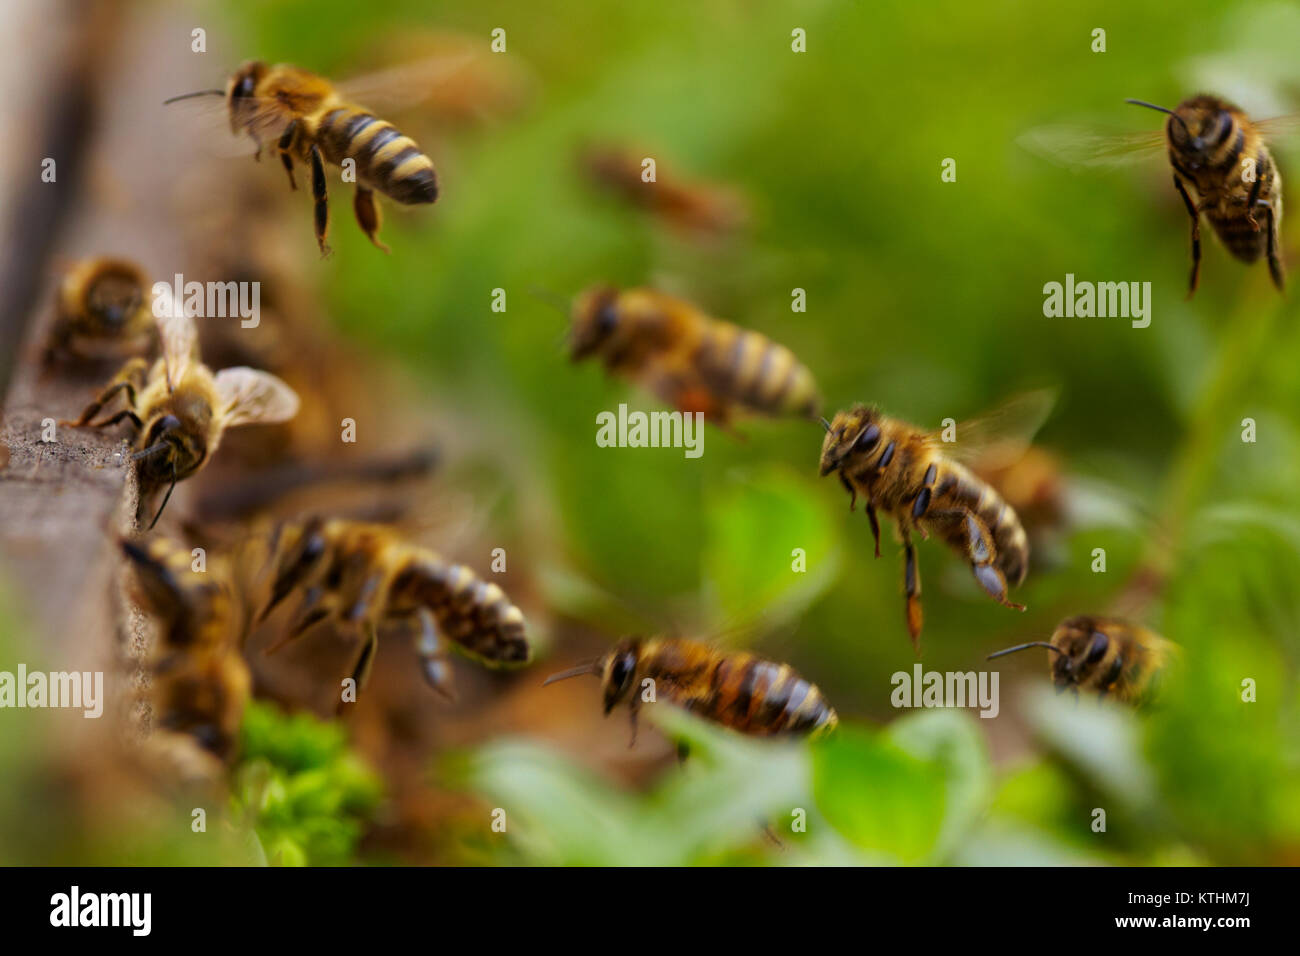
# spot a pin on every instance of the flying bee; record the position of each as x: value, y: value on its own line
x: 201, y: 683
x: 732, y: 688
x: 1222, y: 168
x: 911, y: 476
x: 365, y: 576
x: 692, y: 361
x: 1108, y: 656
x: 315, y: 123
x: 180, y: 409
x: 690, y: 207
x: 103, y: 311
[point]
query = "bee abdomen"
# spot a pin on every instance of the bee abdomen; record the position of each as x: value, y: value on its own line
x: 386, y: 159
x: 754, y: 370
x: 763, y: 698
x: 968, y: 493
x: 1239, y: 237
x: 474, y: 613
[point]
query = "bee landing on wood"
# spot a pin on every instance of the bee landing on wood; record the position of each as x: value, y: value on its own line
x: 311, y: 121
x: 736, y: 689
x: 180, y: 409
x: 1107, y: 656
x: 909, y: 475
x: 692, y: 361
x: 366, y: 576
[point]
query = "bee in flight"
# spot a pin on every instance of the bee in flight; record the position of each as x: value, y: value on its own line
x: 180, y: 409
x: 689, y: 207
x: 909, y: 475
x: 314, y: 123
x: 692, y: 361
x: 1108, y: 656
x: 103, y: 311
x: 366, y: 576
x: 1222, y: 168
x: 201, y: 683
x: 732, y: 688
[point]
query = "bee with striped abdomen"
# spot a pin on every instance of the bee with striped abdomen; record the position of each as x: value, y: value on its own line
x: 692, y: 361
x: 103, y: 311
x: 180, y: 409
x: 201, y: 683
x: 1108, y: 656
x: 907, y: 473
x: 732, y: 688
x: 313, y: 122
x: 365, y: 576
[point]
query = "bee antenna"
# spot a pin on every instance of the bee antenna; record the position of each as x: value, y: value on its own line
x: 166, y: 498
x: 150, y: 451
x: 591, y: 667
x: 825, y: 424
x: 1021, y: 647
x: 190, y: 96
x: 1162, y: 109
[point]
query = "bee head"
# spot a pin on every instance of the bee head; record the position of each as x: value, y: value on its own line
x: 1197, y: 128
x: 239, y: 92
x: 113, y: 297
x: 595, y: 321
x: 619, y: 672
x: 1083, y: 649
x: 850, y: 434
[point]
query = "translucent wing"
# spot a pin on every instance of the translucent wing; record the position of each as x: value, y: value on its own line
x: 252, y: 397
x: 206, y: 122
x: 1003, y: 434
x: 178, y: 335
x: 1078, y: 146
x: 1278, y: 128
x: 401, y: 87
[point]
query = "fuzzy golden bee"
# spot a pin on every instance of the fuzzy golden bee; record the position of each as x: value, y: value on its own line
x: 692, y: 361
x: 699, y: 208
x: 367, y: 577
x: 103, y: 312
x: 907, y: 474
x: 732, y: 688
x: 312, y: 122
x: 201, y: 683
x: 180, y: 409
x: 1107, y: 656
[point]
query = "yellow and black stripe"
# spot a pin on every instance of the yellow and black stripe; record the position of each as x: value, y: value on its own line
x: 474, y: 613
x: 386, y: 159
x: 752, y: 369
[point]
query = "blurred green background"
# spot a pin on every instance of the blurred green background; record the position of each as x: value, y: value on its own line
x: 923, y: 296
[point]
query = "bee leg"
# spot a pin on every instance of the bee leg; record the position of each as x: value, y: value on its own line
x: 911, y: 588
x: 286, y: 141
x: 1196, y: 236
x: 365, y: 595
x: 367, y: 210
x: 1253, y: 201
x: 875, y: 525
x: 364, y: 665
x: 125, y: 413
x: 1274, y: 261
x: 433, y: 655
x: 981, y: 552
x: 321, y: 198
x: 848, y: 486
x: 127, y: 379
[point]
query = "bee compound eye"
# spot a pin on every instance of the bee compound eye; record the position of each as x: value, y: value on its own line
x: 869, y: 438
x: 1097, y: 648
x: 606, y: 318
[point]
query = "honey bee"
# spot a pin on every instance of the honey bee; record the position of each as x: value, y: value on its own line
x: 1222, y: 168
x: 180, y: 409
x: 365, y: 576
x: 692, y: 361
x: 732, y: 688
x: 907, y: 473
x: 201, y: 683
x: 1106, y: 655
x: 690, y: 207
x: 313, y: 122
x: 103, y: 311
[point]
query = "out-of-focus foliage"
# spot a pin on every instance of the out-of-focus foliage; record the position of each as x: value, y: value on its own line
x: 307, y: 795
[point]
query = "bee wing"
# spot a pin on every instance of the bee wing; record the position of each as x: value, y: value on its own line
x: 253, y: 397
x: 179, y: 338
x: 206, y: 122
x: 1003, y: 434
x: 1286, y: 126
x: 410, y: 84
x: 1079, y: 146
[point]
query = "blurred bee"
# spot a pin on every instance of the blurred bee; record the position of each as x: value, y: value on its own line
x: 732, y: 688
x: 690, y: 207
x: 312, y: 121
x: 200, y: 681
x: 365, y: 575
x: 1108, y: 656
x: 103, y: 311
x: 692, y: 361
x: 180, y: 409
x: 911, y: 476
x: 1222, y: 167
